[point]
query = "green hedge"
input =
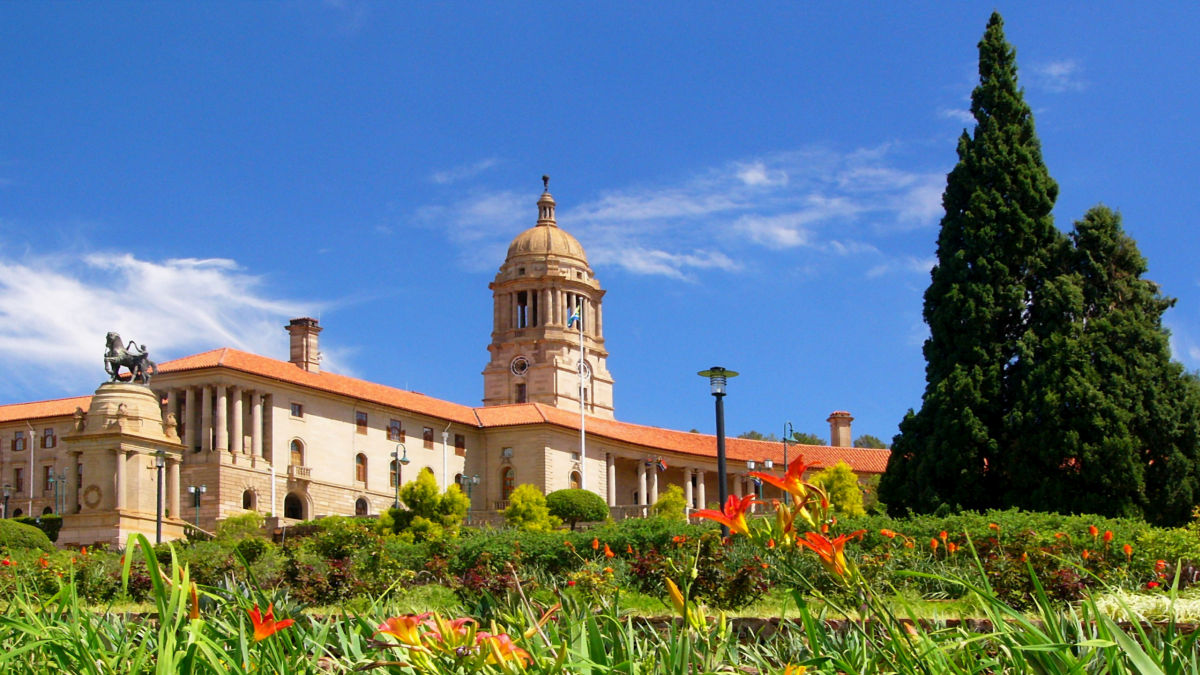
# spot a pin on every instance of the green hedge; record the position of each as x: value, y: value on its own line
x: 15, y: 535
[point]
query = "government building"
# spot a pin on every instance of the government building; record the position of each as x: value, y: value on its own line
x: 225, y: 431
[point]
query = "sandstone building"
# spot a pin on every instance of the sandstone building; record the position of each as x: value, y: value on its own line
x: 292, y: 441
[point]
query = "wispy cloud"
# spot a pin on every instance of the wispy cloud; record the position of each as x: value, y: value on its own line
x: 55, y: 311
x: 815, y: 199
x: 904, y: 264
x: 962, y: 115
x: 1058, y: 77
x: 463, y: 171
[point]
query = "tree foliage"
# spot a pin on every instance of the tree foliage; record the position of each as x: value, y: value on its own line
x: 869, y: 441
x: 757, y: 436
x: 805, y: 438
x: 996, y: 244
x: 527, y: 510
x: 576, y: 506
x: 671, y: 504
x: 841, y: 486
x: 427, y: 513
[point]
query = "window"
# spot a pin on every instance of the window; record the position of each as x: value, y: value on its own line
x: 297, y: 410
x: 520, y: 395
x: 47, y: 478
x: 427, y: 434
x: 48, y: 439
x: 293, y: 507
x: 360, y: 422
x: 248, y: 500
x: 395, y: 430
x: 507, y: 482
x: 19, y: 479
x: 361, y: 508
x: 460, y: 445
x: 297, y: 458
x: 392, y: 475
x: 360, y: 468
x: 18, y: 443
x: 576, y: 480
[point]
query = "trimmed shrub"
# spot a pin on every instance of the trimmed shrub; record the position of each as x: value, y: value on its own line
x: 50, y: 524
x: 671, y: 504
x: 527, y: 510
x: 576, y: 506
x: 15, y: 536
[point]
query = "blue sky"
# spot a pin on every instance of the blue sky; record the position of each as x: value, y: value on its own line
x: 757, y: 184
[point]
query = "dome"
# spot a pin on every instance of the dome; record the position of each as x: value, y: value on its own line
x: 546, y: 240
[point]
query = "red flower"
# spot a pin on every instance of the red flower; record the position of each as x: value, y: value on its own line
x: 608, y: 553
x: 265, y: 625
x: 733, y: 515
x: 629, y: 549
x: 1107, y: 536
x: 1093, y: 531
x: 942, y: 535
x: 993, y: 526
x: 771, y: 542
x: 571, y: 582
x: 1086, y: 554
x: 951, y: 548
x: 7, y: 563
x: 1024, y: 556
x: 1128, y: 550
x: 1151, y: 585
x: 933, y: 544
x: 43, y: 563
x: 888, y: 533
x: 595, y: 544
x: 1160, y: 565
x: 831, y: 553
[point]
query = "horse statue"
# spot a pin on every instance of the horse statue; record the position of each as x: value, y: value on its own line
x: 132, y: 356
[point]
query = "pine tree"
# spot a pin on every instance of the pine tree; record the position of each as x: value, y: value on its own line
x: 994, y: 249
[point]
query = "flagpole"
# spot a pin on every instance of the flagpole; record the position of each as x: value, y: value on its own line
x: 582, y: 418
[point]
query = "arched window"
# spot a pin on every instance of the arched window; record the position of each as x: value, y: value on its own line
x: 576, y: 480
x: 18, y: 513
x: 248, y: 500
x: 297, y: 458
x: 360, y: 468
x: 392, y: 474
x: 361, y: 507
x: 507, y: 482
x: 47, y: 511
x: 458, y: 479
x: 293, y: 507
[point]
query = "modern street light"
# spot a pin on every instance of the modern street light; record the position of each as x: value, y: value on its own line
x: 196, y: 492
x: 398, y: 462
x: 53, y: 480
x: 469, y: 482
x: 7, y: 494
x: 787, y: 433
x: 160, y: 460
x: 717, y: 378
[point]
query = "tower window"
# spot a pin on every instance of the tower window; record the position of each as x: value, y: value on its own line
x: 522, y: 309
x: 360, y: 422
x: 520, y: 393
x: 395, y: 430
x: 427, y: 435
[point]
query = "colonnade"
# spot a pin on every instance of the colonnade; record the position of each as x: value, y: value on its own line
x: 545, y: 307
x: 695, y: 490
x: 213, y: 417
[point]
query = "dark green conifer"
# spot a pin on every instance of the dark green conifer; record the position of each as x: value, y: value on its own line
x: 994, y: 249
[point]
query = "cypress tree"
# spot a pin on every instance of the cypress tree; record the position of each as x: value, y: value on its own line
x: 996, y: 244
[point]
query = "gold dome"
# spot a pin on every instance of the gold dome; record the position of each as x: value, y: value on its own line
x: 545, y: 238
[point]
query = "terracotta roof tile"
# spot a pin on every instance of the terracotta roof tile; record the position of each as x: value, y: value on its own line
x: 42, y: 409
x: 330, y: 382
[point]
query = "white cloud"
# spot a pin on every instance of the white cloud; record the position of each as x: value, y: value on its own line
x: 811, y: 198
x: 464, y: 171
x: 1059, y: 76
x: 55, y: 311
x: 958, y: 115
x: 903, y: 264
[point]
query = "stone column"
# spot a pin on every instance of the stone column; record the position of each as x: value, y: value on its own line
x: 599, y: 320
x: 237, y: 443
x: 206, y: 421
x: 642, y: 483
x: 189, y: 419
x: 173, y: 488
x: 119, y: 480
x: 256, y: 424
x: 701, y: 498
x: 172, y: 404
x: 611, y: 464
x: 653, y: 485
x: 688, y: 494
x: 221, y: 423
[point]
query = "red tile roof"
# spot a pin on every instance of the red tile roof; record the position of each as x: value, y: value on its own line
x: 862, y: 460
x: 329, y: 382
x: 42, y: 409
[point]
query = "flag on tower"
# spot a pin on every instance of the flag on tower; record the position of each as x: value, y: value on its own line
x: 574, y: 317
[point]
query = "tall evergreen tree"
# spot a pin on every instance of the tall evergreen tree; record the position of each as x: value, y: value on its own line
x: 995, y: 246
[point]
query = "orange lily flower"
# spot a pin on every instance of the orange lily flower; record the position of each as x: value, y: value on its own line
x: 1128, y: 550
x: 501, y: 649
x: 629, y: 549
x: 890, y: 534
x: 1086, y: 554
x: 595, y: 543
x: 265, y: 625
x: 832, y: 555
x: 792, y: 481
x: 732, y: 516
x: 608, y: 552
x: 405, y: 628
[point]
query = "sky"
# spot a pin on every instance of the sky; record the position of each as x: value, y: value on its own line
x: 757, y: 185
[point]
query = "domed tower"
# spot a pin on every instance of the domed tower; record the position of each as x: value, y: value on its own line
x: 534, y: 352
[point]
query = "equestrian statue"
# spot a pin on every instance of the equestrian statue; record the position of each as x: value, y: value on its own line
x: 132, y: 356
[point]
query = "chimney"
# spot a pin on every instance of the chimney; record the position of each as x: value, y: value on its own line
x: 305, y: 350
x: 839, y: 429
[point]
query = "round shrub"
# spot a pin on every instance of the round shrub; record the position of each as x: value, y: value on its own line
x: 14, y: 535
x: 576, y: 506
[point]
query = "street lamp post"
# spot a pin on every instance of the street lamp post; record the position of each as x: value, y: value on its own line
x: 787, y: 433
x: 469, y: 482
x: 717, y: 378
x: 7, y: 494
x: 160, y: 460
x: 196, y: 492
x: 399, y: 461
x: 53, y: 480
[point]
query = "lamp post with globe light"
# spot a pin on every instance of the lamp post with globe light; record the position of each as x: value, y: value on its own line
x: 398, y: 462
x: 717, y: 378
